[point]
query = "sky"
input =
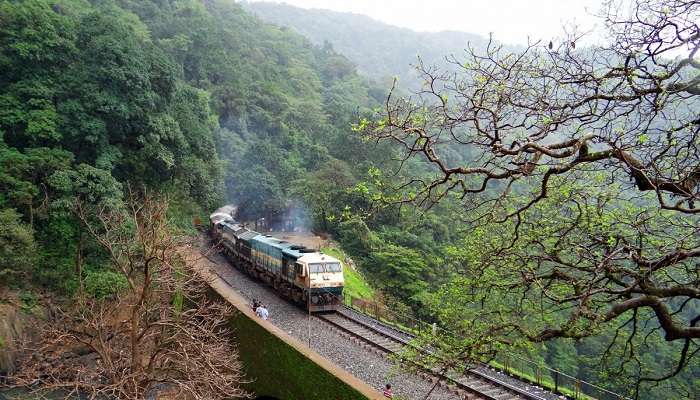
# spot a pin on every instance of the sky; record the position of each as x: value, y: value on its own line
x: 510, y: 21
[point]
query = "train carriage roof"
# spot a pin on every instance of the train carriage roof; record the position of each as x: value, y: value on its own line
x: 231, y: 225
x: 273, y: 242
x: 317, y: 257
x: 296, y: 251
x: 244, y: 234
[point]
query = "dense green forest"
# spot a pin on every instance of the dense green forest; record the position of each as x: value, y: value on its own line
x: 90, y: 104
x: 205, y: 103
x: 201, y: 102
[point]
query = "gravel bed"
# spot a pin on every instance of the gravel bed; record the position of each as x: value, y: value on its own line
x: 535, y: 390
x: 366, y: 365
x: 381, y: 327
x: 496, y: 374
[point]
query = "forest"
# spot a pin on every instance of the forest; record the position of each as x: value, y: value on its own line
x: 380, y: 51
x: 109, y: 109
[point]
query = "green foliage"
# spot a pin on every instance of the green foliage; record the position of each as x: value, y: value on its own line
x: 104, y: 284
x: 355, y: 283
x: 29, y: 301
x: 401, y: 271
x: 17, y: 247
x: 259, y: 193
x: 119, y: 106
x: 87, y: 184
x: 89, y: 102
x: 184, y: 213
x: 23, y: 176
x: 491, y: 309
x: 55, y: 266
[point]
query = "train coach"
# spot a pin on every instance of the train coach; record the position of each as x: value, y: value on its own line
x: 303, y: 275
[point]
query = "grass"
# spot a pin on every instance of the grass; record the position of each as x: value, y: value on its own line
x: 355, y: 284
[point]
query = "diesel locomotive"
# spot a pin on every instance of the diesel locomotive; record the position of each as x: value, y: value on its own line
x: 305, y: 276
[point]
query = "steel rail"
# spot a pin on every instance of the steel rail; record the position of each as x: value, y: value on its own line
x: 507, y: 390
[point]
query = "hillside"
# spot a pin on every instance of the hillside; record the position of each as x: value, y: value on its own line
x: 203, y: 102
x: 379, y: 50
x: 106, y: 103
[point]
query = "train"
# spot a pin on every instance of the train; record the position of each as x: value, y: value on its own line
x: 305, y: 276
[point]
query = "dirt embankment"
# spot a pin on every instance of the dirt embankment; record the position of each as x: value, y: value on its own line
x: 20, y: 316
x: 307, y: 239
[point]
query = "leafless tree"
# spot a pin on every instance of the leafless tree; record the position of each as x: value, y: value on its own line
x: 160, y: 334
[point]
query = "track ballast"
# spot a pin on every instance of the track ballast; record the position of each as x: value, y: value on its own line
x: 479, y: 385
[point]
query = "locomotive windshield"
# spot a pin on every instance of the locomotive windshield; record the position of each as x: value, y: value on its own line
x: 324, y: 267
x: 333, y: 267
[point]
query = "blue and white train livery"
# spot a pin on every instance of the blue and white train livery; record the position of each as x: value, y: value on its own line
x: 303, y: 275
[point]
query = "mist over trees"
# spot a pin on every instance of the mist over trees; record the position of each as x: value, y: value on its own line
x: 379, y: 51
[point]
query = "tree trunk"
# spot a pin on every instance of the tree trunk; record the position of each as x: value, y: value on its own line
x: 79, y: 262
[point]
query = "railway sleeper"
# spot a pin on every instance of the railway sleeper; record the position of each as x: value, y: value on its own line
x: 483, y: 387
x: 506, y: 396
x: 479, y: 387
x: 472, y: 382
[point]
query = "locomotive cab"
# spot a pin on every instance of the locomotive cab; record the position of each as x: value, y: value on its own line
x: 323, y: 276
x: 300, y: 270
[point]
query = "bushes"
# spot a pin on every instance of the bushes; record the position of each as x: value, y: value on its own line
x: 104, y: 284
x: 17, y: 247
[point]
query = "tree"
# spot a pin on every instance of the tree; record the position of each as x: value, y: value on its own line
x: 258, y: 194
x: 17, y: 247
x: 324, y: 192
x: 24, y: 174
x: 85, y: 189
x: 583, y: 265
x: 628, y: 108
x: 582, y: 176
x: 159, y: 333
x: 401, y: 270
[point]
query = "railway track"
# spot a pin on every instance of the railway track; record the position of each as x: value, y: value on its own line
x: 477, y: 384
x: 473, y: 385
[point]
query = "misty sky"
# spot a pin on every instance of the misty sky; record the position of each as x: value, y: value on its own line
x: 511, y: 21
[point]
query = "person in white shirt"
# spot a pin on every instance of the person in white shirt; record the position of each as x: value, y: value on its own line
x: 262, y: 312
